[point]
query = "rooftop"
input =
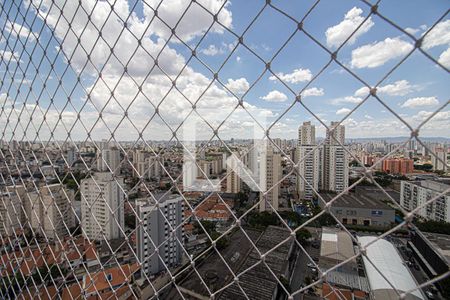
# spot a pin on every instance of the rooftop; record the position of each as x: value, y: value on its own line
x: 435, y: 185
x: 352, y: 200
x: 258, y: 282
x: 388, y: 262
x: 336, y: 246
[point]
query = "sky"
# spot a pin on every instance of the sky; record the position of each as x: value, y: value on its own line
x: 60, y: 75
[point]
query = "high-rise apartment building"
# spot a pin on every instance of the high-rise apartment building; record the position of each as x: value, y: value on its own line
x: 415, y: 194
x: 270, y: 174
x: 234, y: 181
x: 148, y: 167
x: 398, y: 166
x: 155, y: 166
x: 155, y: 228
x: 335, y: 169
x: 71, y: 156
x: 139, y: 163
x: 308, y: 159
x: 102, y: 207
x: 10, y: 213
x: 441, y: 159
x: 52, y: 212
x: 109, y: 160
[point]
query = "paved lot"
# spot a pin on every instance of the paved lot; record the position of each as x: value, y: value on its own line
x: 417, y: 272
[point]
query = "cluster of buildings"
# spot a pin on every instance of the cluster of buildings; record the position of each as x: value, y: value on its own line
x: 401, y: 159
x: 124, y: 181
x: 380, y: 274
x: 325, y: 166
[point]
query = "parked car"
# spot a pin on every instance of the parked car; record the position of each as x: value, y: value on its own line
x: 429, y: 294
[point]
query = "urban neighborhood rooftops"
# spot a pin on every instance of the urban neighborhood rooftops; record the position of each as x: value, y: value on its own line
x: 259, y: 283
x: 388, y: 262
x: 355, y: 201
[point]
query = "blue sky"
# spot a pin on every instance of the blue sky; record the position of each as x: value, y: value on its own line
x: 414, y: 90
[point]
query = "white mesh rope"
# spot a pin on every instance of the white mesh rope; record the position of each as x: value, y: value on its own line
x: 97, y: 101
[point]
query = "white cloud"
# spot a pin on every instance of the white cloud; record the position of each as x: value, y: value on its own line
x: 337, y: 34
x: 9, y: 56
x: 275, y: 96
x: 348, y: 99
x: 444, y: 58
x: 4, y: 100
x: 238, y: 86
x: 398, y: 88
x: 313, y: 92
x: 378, y: 53
x: 343, y: 111
x: 212, y: 50
x: 20, y: 31
x: 440, y: 116
x: 238, y: 58
x: 420, y: 102
x: 362, y: 92
x: 368, y: 117
x: 193, y: 23
x: 350, y: 122
x: 137, y: 89
x: 439, y: 35
x: 412, y: 31
x: 298, y: 75
x: 438, y: 125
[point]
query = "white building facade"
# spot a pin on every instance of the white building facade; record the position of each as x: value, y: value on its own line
x: 270, y: 175
x: 10, y: 213
x: 335, y: 162
x: 109, y: 160
x: 52, y: 213
x: 102, y: 206
x: 155, y: 231
x: 308, y: 159
x: 415, y: 194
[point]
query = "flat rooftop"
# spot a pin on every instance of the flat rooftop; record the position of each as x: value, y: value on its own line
x: 352, y: 200
x: 336, y: 245
x: 375, y: 192
x: 439, y: 185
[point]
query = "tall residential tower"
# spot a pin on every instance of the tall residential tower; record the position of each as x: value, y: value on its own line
x: 308, y: 161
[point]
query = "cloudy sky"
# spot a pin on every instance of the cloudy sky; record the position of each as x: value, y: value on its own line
x: 137, y: 68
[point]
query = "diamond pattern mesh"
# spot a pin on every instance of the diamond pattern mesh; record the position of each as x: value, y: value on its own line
x: 96, y: 99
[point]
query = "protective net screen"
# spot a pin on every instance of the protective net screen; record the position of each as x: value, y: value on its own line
x: 212, y: 149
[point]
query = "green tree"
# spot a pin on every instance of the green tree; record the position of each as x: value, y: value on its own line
x: 130, y: 221
x: 242, y: 198
x: 262, y: 220
x: 208, y: 225
x: 303, y: 235
x: 434, y: 226
x: 222, y: 243
x: 292, y: 218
